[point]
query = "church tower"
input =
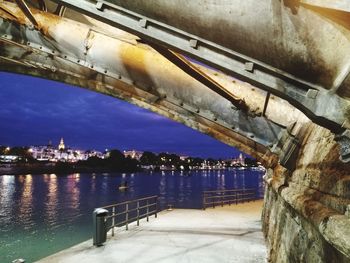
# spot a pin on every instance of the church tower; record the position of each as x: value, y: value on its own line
x: 61, y: 146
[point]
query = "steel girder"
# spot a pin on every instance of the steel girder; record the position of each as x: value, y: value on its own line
x: 334, y: 105
x: 339, y: 5
x: 71, y: 52
x: 312, y: 98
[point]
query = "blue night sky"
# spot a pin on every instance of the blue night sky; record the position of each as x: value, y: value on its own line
x: 34, y: 111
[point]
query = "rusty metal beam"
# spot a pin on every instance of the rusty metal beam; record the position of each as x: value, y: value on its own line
x: 60, y: 10
x: 184, y: 64
x: 42, y: 5
x: 26, y: 11
x: 148, y: 79
x: 308, y: 97
x: 117, y: 67
x: 266, y: 103
x: 8, y: 12
x: 340, y: 5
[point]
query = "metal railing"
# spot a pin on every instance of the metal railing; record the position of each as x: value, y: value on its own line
x: 130, y: 211
x: 223, y: 197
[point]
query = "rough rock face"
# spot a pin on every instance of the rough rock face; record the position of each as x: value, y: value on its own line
x: 306, y: 214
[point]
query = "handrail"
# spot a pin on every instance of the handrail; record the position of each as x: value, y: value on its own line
x: 228, y: 190
x: 131, y: 201
x: 140, y: 207
x: 222, y: 197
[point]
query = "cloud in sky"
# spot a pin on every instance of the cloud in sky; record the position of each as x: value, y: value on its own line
x: 34, y: 111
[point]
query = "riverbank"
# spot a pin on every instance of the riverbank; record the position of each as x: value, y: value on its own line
x: 43, y: 169
x: 53, y: 169
x: 224, y: 234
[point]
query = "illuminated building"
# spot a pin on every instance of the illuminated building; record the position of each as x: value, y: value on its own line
x: 133, y: 154
x: 62, y: 153
x: 61, y: 146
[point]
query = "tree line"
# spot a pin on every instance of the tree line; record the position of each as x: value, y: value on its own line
x: 116, y: 161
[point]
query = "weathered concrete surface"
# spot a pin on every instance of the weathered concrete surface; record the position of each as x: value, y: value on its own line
x: 304, y: 213
x: 230, y: 234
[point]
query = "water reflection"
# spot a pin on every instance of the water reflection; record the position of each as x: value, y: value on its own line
x: 7, y: 186
x: 52, y: 202
x: 235, y: 180
x: 26, y: 205
x: 243, y: 180
x: 55, y: 211
x: 73, y: 191
x: 77, y: 177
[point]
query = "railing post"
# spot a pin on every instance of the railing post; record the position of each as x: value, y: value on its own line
x: 127, y: 216
x: 236, y: 195
x: 138, y: 213
x: 204, y: 200
x: 113, y: 220
x: 156, y: 215
x: 147, y: 211
x: 222, y: 199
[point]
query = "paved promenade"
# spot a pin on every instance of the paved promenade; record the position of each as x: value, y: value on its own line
x: 230, y: 234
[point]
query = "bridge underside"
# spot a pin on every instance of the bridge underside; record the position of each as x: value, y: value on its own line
x: 276, y: 87
x: 82, y: 51
x: 118, y: 64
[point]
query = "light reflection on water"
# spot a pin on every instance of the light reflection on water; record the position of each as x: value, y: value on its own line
x: 7, y: 189
x: 42, y: 214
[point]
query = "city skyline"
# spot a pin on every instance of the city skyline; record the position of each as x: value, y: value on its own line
x: 32, y: 114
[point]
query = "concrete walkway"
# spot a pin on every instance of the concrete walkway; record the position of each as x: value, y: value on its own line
x: 229, y: 234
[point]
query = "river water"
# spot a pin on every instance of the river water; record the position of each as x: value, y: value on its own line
x: 43, y: 214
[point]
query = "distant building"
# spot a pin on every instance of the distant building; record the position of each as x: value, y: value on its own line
x: 183, y: 157
x: 43, y: 152
x: 62, y: 153
x: 133, y: 154
x: 9, y: 158
x: 93, y: 153
x: 240, y: 161
x: 61, y: 146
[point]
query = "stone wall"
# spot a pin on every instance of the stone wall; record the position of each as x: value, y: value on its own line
x: 306, y: 216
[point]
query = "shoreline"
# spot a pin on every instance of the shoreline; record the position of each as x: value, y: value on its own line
x: 42, y: 169
x: 53, y: 170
